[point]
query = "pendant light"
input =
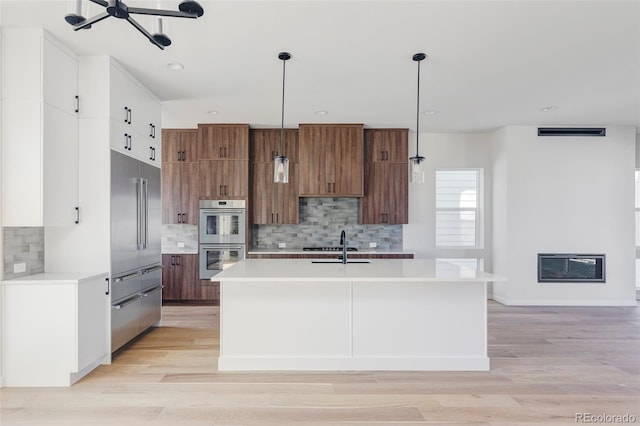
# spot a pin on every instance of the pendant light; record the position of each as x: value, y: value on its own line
x: 417, y: 163
x: 281, y: 162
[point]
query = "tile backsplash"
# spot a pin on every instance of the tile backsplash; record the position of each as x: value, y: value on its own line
x: 179, y: 238
x: 22, y: 245
x: 321, y: 220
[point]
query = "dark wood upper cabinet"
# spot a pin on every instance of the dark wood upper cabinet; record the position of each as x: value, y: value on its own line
x: 331, y: 160
x: 179, y: 176
x: 223, y: 142
x: 386, y: 145
x: 273, y: 203
x: 223, y: 161
x: 179, y: 145
x: 386, y: 177
x: 265, y: 144
x: 220, y: 180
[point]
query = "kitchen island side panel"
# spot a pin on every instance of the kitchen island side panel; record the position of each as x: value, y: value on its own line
x: 353, y: 325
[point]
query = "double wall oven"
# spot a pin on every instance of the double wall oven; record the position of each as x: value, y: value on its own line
x: 222, y: 235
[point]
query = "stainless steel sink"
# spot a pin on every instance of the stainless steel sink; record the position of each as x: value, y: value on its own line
x: 340, y: 261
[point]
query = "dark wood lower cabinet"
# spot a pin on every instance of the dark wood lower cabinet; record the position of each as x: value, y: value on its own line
x: 182, y: 283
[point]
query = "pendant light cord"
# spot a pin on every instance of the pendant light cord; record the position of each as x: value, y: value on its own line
x: 418, y: 112
x: 284, y: 63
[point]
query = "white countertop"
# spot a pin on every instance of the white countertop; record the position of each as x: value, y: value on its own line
x: 56, y: 278
x: 418, y: 270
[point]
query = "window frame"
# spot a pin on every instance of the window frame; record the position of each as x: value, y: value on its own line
x: 478, y: 210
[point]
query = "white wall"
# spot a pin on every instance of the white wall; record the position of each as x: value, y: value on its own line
x: 563, y: 195
x: 1, y: 221
x: 444, y: 150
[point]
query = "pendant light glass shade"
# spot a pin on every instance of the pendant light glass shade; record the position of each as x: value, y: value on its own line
x: 281, y: 161
x: 281, y: 169
x: 417, y: 162
x: 416, y: 169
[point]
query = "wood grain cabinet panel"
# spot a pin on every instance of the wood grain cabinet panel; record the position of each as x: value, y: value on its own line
x: 386, y: 177
x: 179, y: 176
x: 223, y: 142
x: 181, y: 280
x: 386, y: 145
x: 265, y: 144
x: 223, y: 179
x: 273, y: 203
x: 331, y: 160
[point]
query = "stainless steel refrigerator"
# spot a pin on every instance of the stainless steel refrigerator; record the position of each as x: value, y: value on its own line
x: 136, y: 260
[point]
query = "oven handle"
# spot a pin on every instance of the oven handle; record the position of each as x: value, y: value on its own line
x: 222, y: 211
x: 221, y: 247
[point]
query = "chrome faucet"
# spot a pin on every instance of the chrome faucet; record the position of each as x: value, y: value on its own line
x: 343, y: 242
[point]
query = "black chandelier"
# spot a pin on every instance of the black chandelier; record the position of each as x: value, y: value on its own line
x: 118, y: 9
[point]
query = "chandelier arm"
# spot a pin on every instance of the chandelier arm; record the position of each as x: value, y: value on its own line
x: 144, y: 32
x: 102, y: 3
x: 161, y: 12
x: 90, y: 21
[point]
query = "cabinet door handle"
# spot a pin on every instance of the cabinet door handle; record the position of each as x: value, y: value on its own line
x: 107, y: 291
x: 271, y: 217
x: 173, y: 260
x: 153, y: 153
x: 220, y: 153
x: 126, y: 141
x: 126, y: 114
x: 130, y: 143
x: 179, y: 217
x: 77, y: 221
x: 277, y: 218
x: 150, y: 153
x: 154, y: 131
x: 130, y: 112
x: 184, y: 218
x: 77, y: 103
x: 177, y: 260
x: 220, y: 190
x: 225, y: 190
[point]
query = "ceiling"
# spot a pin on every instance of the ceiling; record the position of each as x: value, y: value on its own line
x: 490, y: 63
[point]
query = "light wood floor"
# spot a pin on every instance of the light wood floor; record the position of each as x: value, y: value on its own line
x: 547, y: 364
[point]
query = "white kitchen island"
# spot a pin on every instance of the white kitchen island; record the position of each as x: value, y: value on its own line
x: 293, y: 314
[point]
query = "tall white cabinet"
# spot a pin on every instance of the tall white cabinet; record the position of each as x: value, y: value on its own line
x: 40, y: 130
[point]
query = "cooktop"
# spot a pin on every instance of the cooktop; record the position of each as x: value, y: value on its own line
x: 328, y: 248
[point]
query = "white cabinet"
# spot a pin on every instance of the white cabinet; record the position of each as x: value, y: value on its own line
x: 39, y: 130
x: 133, y: 112
x: 55, y: 328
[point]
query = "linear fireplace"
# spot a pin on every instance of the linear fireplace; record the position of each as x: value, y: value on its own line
x: 566, y: 267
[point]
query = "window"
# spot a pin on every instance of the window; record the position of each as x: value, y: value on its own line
x: 458, y: 208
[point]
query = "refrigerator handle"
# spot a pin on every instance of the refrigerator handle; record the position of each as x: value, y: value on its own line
x: 145, y: 199
x: 139, y: 213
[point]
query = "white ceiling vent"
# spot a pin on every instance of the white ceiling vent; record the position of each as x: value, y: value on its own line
x: 572, y: 131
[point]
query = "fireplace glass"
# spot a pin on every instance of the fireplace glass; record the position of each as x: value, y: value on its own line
x: 564, y: 267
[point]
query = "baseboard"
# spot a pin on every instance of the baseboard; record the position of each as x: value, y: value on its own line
x: 554, y: 302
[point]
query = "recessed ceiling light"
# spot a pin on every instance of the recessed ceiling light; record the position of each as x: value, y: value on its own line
x: 549, y: 108
x: 430, y: 112
x: 321, y: 112
x: 212, y: 112
x: 175, y: 66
